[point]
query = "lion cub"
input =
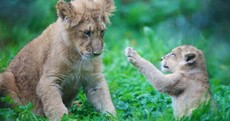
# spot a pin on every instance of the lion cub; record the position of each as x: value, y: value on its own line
x: 50, y: 69
x: 187, y: 84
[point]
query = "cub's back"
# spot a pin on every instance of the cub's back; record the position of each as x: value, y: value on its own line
x: 28, y: 64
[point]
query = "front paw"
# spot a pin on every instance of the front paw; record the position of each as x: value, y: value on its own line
x: 132, y: 55
x: 56, y: 112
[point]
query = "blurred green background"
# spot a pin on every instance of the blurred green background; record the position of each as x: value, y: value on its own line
x: 153, y: 28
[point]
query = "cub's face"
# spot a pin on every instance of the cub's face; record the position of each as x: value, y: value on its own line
x: 84, y: 23
x: 169, y: 62
x: 185, y: 58
x: 87, y: 38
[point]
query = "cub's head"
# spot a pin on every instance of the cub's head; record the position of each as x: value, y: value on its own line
x: 183, y: 58
x: 84, y: 24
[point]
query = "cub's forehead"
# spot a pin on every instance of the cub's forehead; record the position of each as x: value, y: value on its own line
x: 177, y: 50
x: 88, y: 6
x: 91, y: 12
x: 84, y: 4
x: 185, y: 48
x: 95, y: 25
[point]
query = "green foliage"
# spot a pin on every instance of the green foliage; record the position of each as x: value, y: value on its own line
x: 153, y: 28
x: 18, y: 112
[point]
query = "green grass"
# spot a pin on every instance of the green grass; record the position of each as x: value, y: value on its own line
x: 152, y: 35
x: 133, y: 96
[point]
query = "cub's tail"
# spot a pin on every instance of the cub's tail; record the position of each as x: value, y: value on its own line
x: 1, y: 89
x: 1, y: 83
x: 9, y: 87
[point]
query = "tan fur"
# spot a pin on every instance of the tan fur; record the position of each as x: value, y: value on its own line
x: 187, y: 84
x: 50, y: 69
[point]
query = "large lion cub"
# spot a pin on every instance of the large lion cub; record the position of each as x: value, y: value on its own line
x: 50, y: 69
x: 187, y: 84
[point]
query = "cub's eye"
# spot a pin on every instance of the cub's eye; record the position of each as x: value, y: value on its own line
x: 102, y: 32
x: 173, y: 54
x: 87, y: 33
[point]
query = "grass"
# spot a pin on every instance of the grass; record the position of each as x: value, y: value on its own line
x: 134, y: 98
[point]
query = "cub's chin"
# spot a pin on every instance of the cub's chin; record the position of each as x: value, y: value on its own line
x: 165, y: 70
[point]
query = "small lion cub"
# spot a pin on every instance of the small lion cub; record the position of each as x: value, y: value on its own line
x: 187, y: 84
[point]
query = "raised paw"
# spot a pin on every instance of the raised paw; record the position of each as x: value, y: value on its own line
x: 132, y: 55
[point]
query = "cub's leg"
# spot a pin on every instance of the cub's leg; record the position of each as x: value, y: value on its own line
x: 50, y: 95
x: 98, y: 95
x: 144, y: 66
x: 163, y: 83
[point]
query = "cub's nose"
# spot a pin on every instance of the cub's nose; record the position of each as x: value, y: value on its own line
x: 162, y: 58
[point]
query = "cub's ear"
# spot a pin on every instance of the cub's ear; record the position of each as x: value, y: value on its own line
x: 110, y: 7
x: 108, y: 10
x: 64, y: 9
x: 66, y: 12
x: 190, y: 58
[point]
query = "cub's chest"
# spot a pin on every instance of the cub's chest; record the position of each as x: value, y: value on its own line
x: 84, y: 66
x: 77, y: 72
x: 70, y: 82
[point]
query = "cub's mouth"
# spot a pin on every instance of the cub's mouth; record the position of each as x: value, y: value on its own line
x: 165, y: 66
x: 89, y: 55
